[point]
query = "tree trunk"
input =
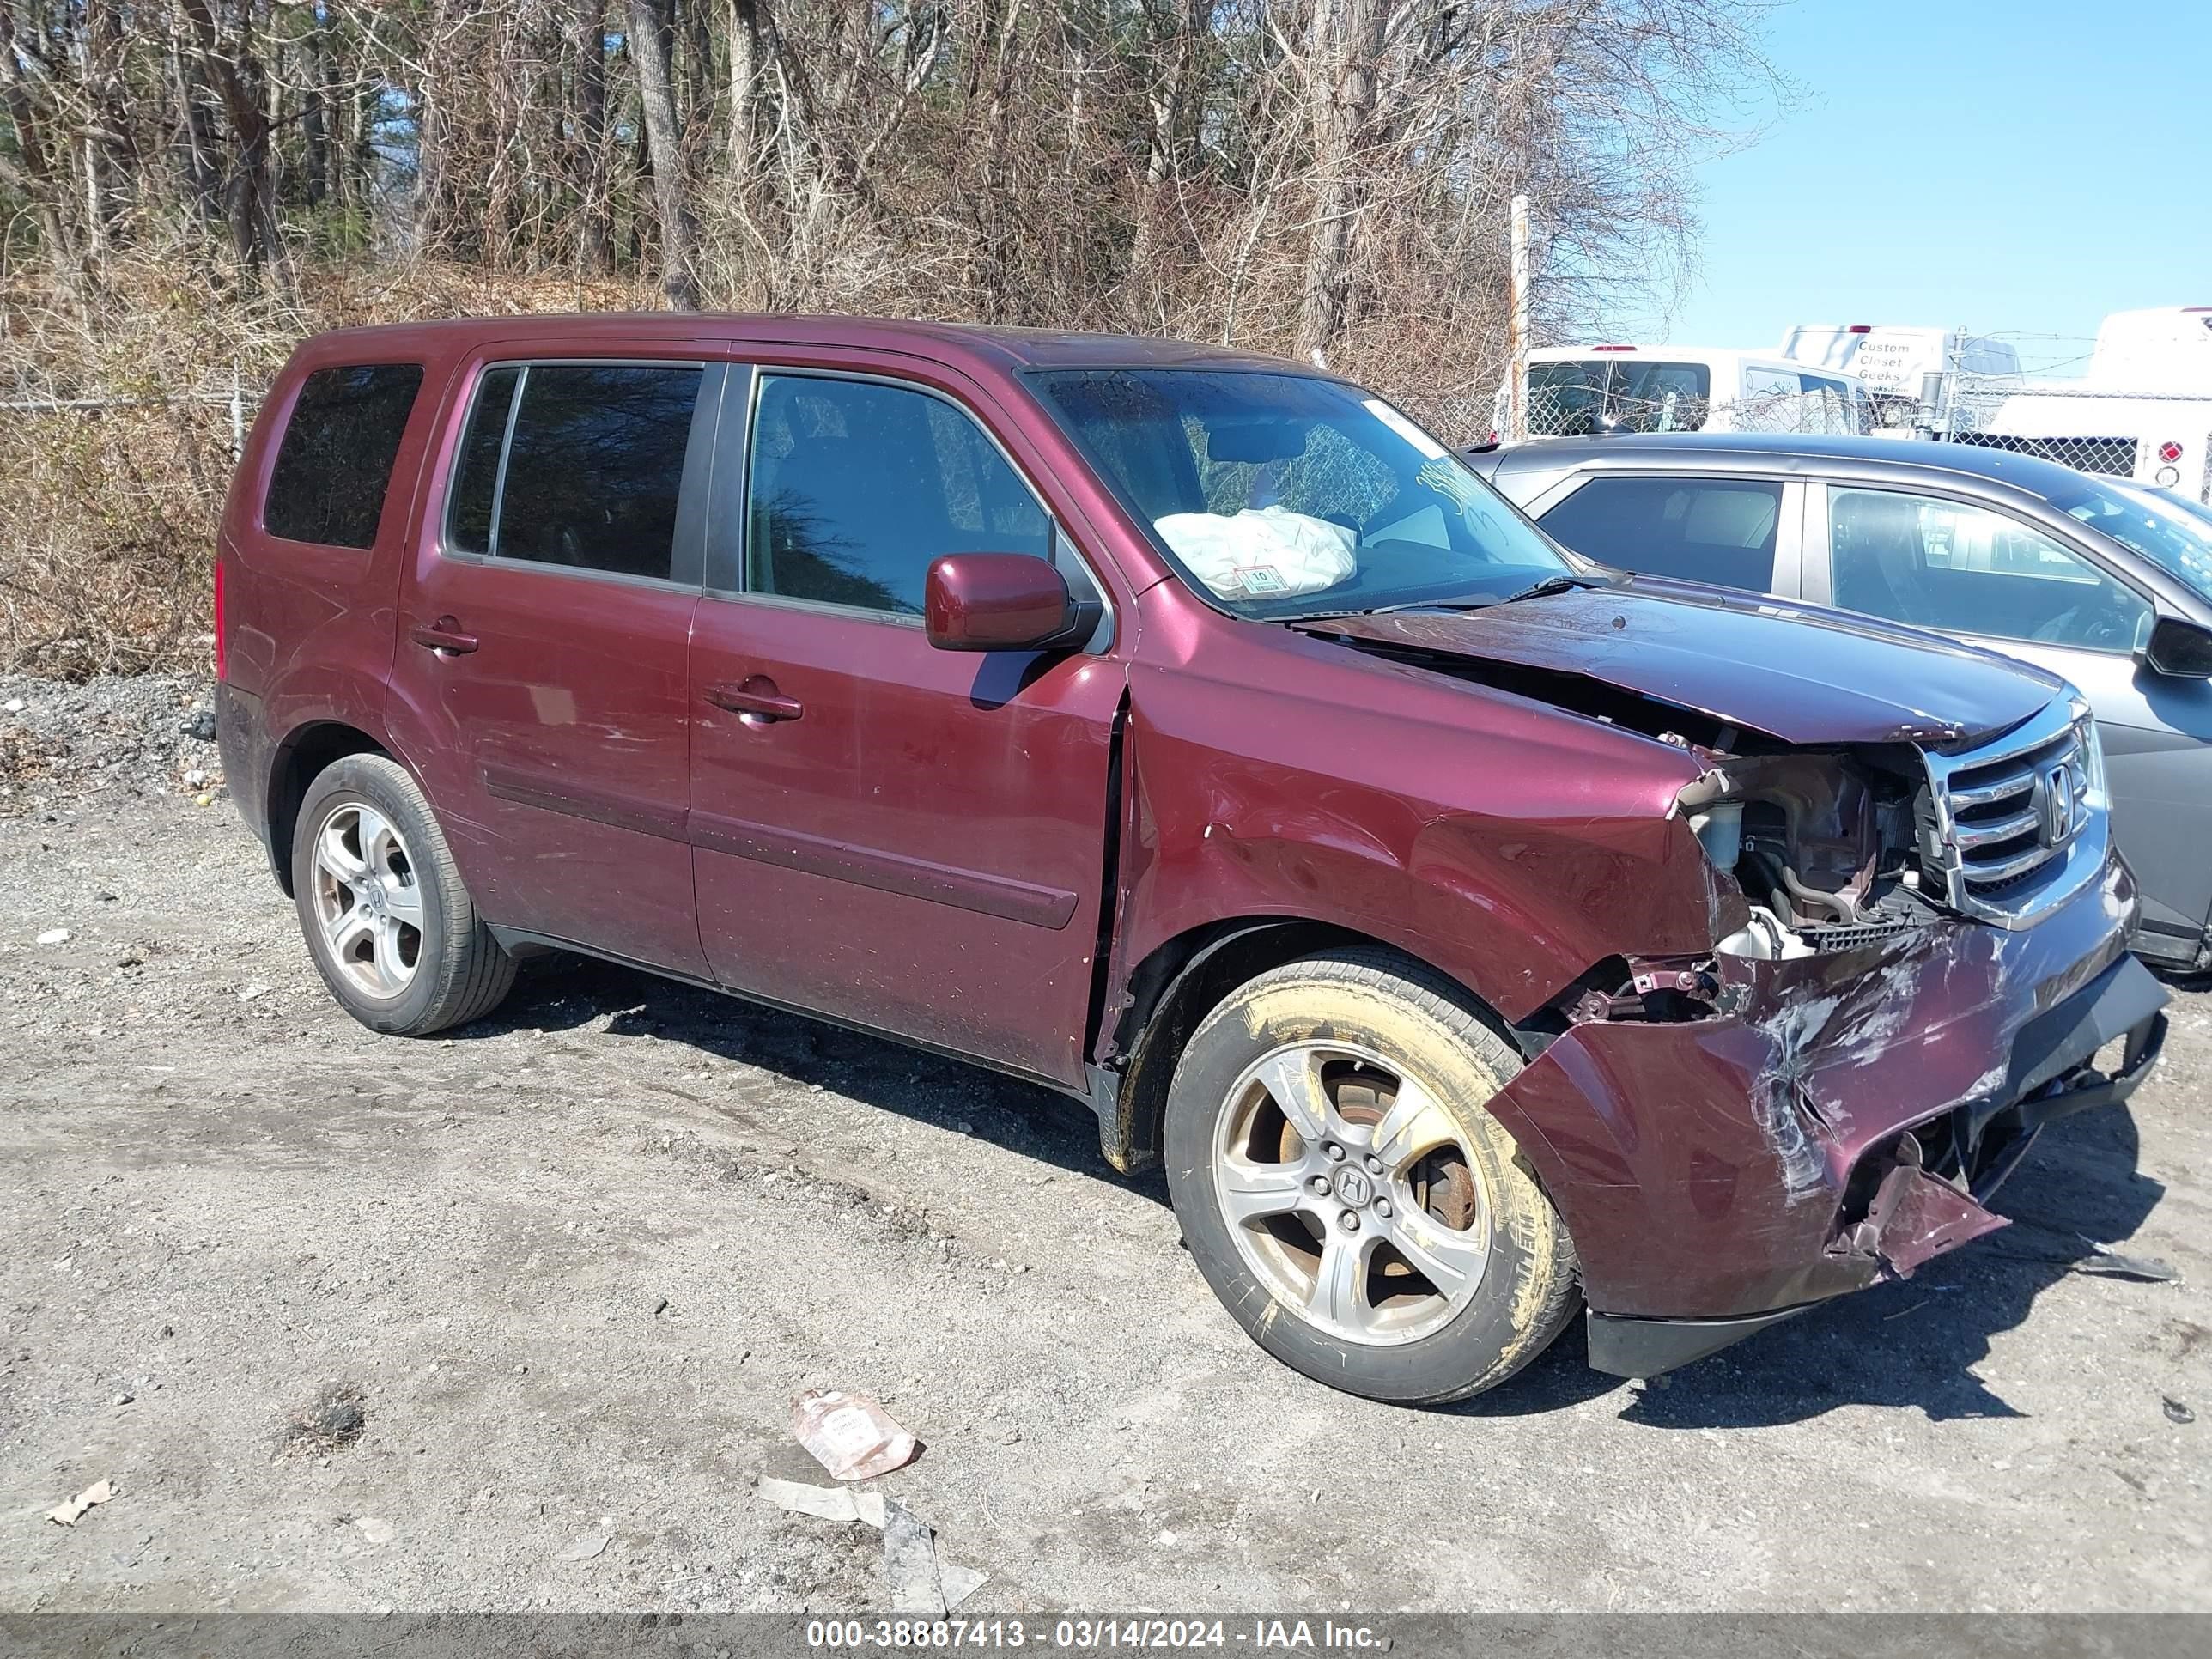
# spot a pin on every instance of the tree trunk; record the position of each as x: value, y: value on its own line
x: 315, y: 115
x: 664, y: 150
x: 745, y: 70
x: 338, y: 152
x: 1173, y: 101
x: 697, y: 54
x: 196, y: 133
x: 1345, y: 43
x: 243, y: 86
x: 595, y: 218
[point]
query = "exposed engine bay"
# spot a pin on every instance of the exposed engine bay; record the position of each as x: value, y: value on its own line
x: 1824, y: 843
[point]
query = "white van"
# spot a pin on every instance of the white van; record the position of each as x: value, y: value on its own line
x: 1580, y: 391
x: 2164, y: 349
x: 1911, y: 375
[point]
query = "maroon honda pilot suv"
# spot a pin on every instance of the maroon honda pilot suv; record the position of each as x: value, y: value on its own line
x: 1477, y: 933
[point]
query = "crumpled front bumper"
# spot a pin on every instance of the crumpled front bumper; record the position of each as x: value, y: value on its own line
x: 1835, y: 1120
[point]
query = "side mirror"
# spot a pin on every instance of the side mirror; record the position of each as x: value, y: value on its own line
x: 1000, y: 602
x: 2177, y: 649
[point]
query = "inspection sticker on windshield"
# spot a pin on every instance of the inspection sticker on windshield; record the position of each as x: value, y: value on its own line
x: 1259, y: 579
x: 1404, y: 428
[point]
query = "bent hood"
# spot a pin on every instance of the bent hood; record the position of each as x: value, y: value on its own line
x: 1798, y: 673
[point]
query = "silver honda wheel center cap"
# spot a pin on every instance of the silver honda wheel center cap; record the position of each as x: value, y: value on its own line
x: 1353, y: 1187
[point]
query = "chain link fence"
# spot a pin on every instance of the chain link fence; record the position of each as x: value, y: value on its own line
x: 109, y: 500
x: 2160, y: 439
x: 1571, y: 406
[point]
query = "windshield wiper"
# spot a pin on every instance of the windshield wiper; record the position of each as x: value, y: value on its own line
x: 1550, y: 584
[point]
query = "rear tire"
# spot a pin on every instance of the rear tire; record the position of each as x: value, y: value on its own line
x: 391, y: 927
x: 1344, y: 1192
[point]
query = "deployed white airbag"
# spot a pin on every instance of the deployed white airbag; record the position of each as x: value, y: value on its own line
x: 1262, y: 553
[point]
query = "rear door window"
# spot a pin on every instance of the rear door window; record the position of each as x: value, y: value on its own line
x: 1827, y: 407
x: 579, y: 465
x: 1719, y: 530
x: 1567, y: 400
x: 334, y: 465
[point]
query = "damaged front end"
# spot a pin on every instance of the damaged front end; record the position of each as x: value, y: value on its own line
x: 1921, y: 951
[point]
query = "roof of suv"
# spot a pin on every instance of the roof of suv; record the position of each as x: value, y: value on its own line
x: 1787, y: 452
x: 1006, y: 348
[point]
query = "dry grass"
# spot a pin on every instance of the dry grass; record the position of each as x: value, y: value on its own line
x: 107, y: 515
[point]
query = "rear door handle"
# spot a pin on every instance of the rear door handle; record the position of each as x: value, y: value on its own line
x: 757, y: 701
x: 445, y: 637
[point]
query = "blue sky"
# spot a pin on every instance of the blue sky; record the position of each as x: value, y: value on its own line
x: 2014, y: 165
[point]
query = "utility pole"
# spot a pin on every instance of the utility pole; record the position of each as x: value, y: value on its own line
x: 1955, y: 353
x: 1517, y: 423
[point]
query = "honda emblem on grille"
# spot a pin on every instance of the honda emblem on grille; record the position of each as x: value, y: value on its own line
x: 2054, y: 804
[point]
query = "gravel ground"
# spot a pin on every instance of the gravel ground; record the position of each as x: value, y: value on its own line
x: 352, y: 1323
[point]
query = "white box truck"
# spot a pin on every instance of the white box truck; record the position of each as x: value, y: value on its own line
x: 1911, y: 375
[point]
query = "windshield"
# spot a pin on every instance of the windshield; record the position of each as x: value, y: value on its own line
x: 1285, y: 496
x: 1581, y: 397
x: 2171, y: 533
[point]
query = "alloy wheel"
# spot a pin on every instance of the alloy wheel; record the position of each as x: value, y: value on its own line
x: 1351, y: 1192
x: 367, y: 900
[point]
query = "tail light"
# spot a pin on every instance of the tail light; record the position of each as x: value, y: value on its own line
x: 221, y: 662
x: 2169, y: 451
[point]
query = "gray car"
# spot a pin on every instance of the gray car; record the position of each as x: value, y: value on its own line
x: 2103, y: 582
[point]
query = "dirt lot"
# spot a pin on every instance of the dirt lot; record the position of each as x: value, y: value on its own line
x: 578, y: 1259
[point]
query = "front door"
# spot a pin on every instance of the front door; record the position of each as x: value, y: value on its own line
x: 1995, y: 580
x: 909, y: 839
x: 543, y: 640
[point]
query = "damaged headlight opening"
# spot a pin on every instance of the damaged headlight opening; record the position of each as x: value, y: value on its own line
x: 1836, y: 848
x: 1823, y: 844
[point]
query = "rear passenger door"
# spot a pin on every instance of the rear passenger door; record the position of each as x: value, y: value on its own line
x: 1730, y: 531
x: 908, y: 839
x: 543, y: 634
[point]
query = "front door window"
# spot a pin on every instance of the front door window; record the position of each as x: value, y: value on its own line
x: 1963, y: 569
x: 1701, y: 530
x: 857, y: 487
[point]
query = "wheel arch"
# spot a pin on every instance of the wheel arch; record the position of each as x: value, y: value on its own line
x: 1179, y: 982
x: 305, y: 753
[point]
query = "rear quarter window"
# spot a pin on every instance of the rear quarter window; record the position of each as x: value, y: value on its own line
x: 335, y: 463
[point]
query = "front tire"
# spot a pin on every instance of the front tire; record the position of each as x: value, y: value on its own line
x: 391, y: 929
x: 1344, y: 1192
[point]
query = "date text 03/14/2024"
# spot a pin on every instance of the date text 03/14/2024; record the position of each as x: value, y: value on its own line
x: 1096, y: 1634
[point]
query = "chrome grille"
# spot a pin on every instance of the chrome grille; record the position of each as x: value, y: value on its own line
x: 2014, y: 827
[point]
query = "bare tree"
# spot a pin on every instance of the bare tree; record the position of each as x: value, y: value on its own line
x: 649, y: 31
x: 1344, y: 49
x: 595, y: 236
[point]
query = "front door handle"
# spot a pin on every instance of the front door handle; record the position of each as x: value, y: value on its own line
x: 445, y: 637
x: 757, y: 701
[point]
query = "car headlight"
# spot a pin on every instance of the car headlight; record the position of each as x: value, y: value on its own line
x: 2092, y: 755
